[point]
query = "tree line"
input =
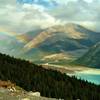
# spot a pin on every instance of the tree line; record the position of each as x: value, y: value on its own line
x: 49, y: 83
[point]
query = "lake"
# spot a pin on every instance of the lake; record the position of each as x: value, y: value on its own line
x: 89, y: 77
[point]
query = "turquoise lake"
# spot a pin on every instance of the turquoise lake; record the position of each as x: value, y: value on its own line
x: 89, y: 77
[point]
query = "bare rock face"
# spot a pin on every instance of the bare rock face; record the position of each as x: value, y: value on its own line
x: 9, y: 91
x: 6, y: 84
x: 37, y: 94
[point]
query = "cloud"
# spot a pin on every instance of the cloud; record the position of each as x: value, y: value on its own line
x: 4, y: 2
x: 26, y: 18
x: 45, y: 3
x: 79, y: 10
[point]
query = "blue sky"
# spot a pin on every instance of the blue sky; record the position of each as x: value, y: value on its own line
x: 45, y: 3
x: 26, y: 15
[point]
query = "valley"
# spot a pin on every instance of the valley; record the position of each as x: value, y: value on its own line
x: 81, y: 72
x: 68, y: 48
x: 49, y: 49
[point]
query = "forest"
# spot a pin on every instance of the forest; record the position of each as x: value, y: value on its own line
x: 49, y: 83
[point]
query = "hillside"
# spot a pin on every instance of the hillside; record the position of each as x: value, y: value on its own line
x: 92, y: 57
x: 13, y: 92
x: 10, y: 44
x: 71, y: 40
x: 67, y: 39
x: 61, y: 36
x: 48, y: 82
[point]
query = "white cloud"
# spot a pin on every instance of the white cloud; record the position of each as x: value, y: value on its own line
x: 79, y: 11
x: 21, y: 18
x: 4, y: 2
x: 26, y: 18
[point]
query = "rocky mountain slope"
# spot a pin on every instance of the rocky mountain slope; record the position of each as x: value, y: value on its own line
x: 71, y: 40
x: 9, y: 91
x: 69, y: 34
x: 92, y: 57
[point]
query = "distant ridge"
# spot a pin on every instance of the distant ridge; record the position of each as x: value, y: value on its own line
x: 92, y: 57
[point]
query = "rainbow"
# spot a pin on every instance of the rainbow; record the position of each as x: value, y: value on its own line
x: 13, y: 34
x: 6, y: 32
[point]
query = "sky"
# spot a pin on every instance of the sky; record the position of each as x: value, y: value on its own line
x: 21, y: 16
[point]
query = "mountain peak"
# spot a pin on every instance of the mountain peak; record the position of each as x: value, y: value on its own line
x: 67, y: 31
x: 71, y: 25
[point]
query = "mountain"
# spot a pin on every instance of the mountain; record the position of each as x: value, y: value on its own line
x: 10, y: 44
x: 92, y: 57
x: 71, y: 38
x: 27, y: 37
x: 65, y: 37
x: 49, y: 83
